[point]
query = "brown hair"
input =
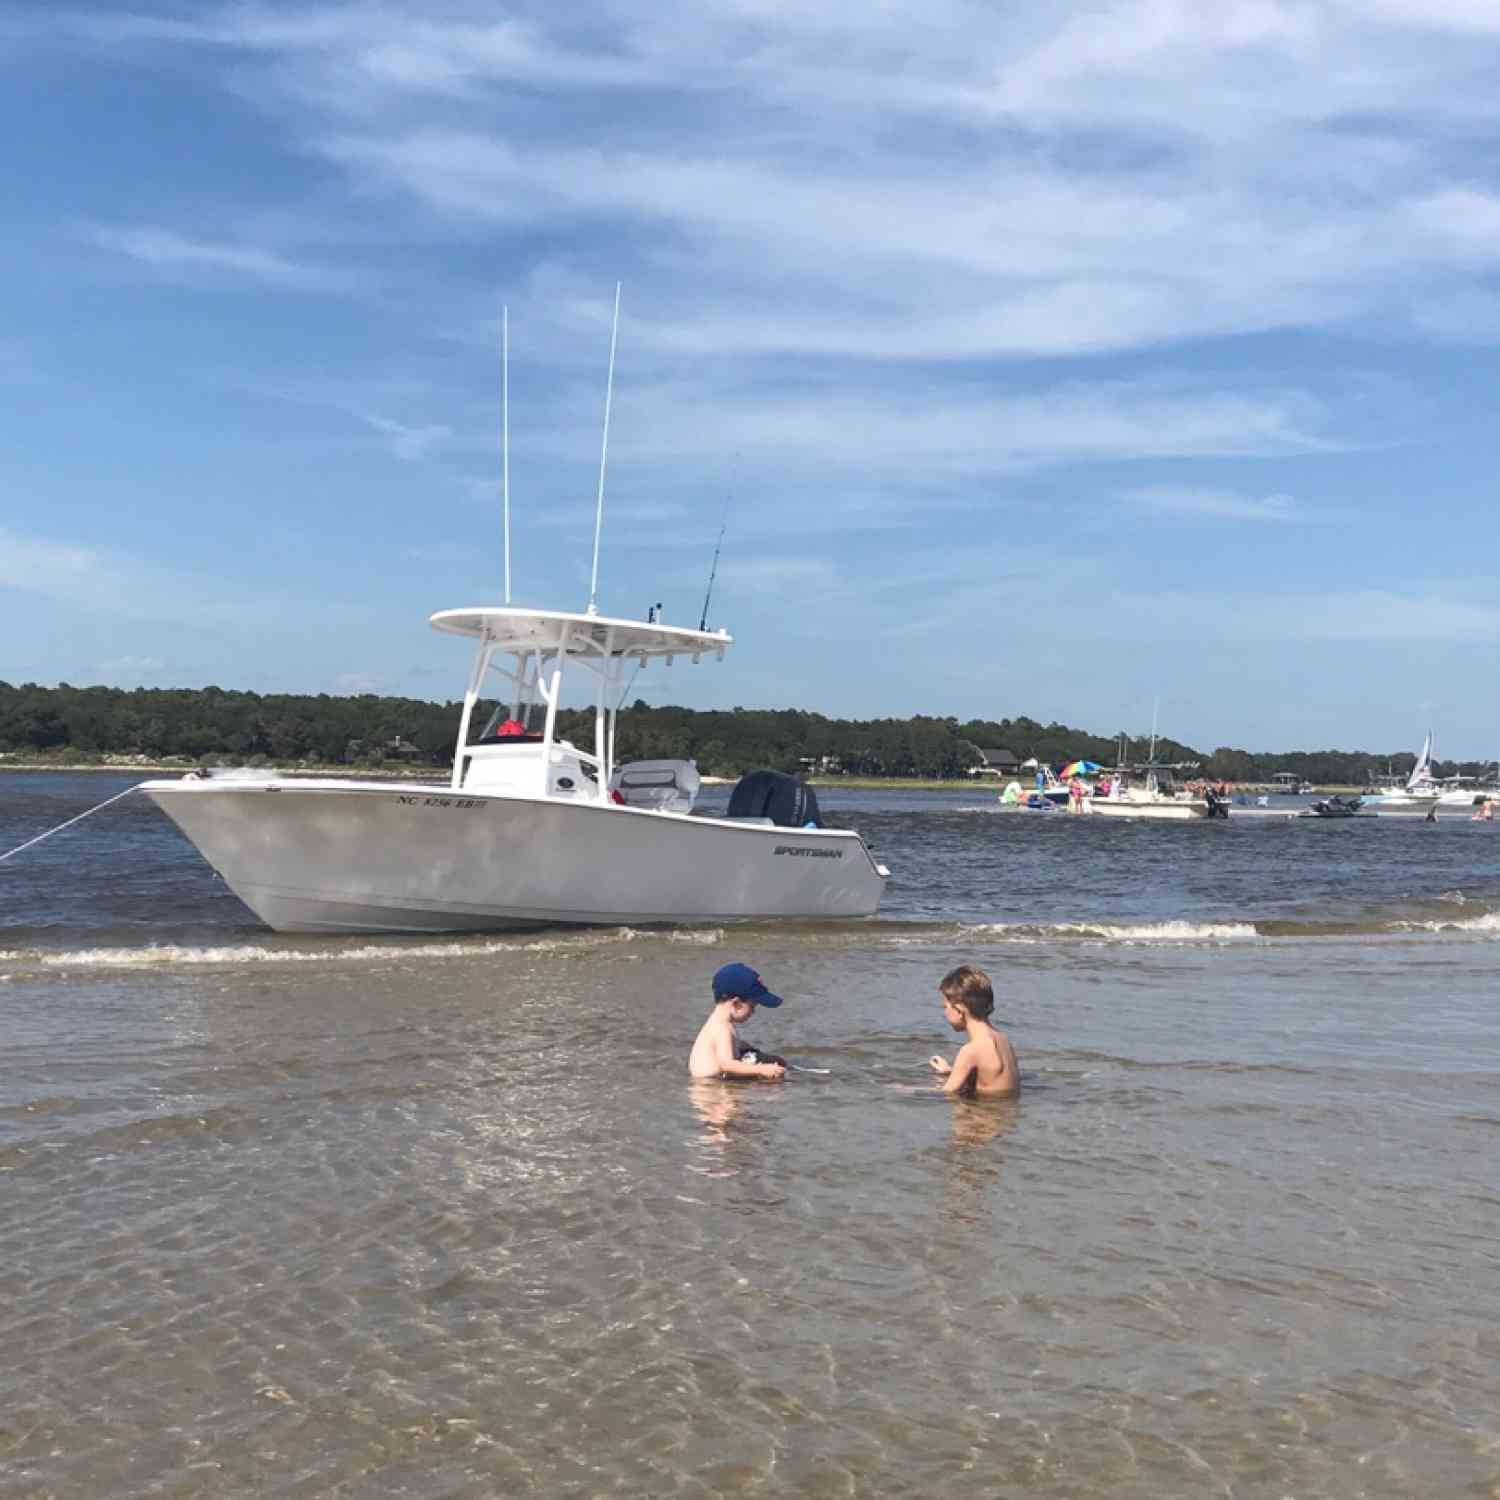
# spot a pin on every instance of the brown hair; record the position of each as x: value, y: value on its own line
x: 968, y: 988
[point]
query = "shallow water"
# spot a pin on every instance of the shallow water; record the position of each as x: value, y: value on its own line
x: 339, y: 1216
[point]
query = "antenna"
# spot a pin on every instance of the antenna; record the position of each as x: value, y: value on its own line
x: 609, y: 391
x: 505, y: 440
x: 713, y: 572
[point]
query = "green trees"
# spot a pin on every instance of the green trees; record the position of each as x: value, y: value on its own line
x: 215, y: 725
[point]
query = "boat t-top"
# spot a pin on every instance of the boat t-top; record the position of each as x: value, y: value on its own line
x: 531, y: 829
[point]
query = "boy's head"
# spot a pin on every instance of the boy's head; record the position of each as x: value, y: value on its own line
x: 968, y: 989
x: 741, y: 983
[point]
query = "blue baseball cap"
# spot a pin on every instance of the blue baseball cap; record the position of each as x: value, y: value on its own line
x: 741, y: 982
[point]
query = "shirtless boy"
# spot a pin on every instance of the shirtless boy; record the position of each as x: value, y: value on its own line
x: 716, y: 1052
x: 986, y: 1063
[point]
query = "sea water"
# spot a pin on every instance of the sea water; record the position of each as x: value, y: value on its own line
x: 305, y: 1216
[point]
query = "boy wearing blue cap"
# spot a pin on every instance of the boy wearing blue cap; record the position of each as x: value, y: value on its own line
x: 717, y: 1052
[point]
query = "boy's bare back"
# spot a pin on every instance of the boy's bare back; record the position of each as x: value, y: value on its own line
x: 986, y: 1064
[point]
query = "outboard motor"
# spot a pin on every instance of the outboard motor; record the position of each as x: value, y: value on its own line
x: 1218, y: 807
x: 787, y: 802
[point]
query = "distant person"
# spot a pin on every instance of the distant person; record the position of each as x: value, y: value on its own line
x: 986, y: 1065
x: 717, y: 1052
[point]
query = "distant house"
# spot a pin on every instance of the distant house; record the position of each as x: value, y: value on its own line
x: 996, y: 763
x: 821, y: 765
x: 394, y: 749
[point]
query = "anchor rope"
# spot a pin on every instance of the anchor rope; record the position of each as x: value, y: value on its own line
x: 71, y: 821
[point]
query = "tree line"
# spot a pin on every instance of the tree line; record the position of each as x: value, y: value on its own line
x: 216, y: 726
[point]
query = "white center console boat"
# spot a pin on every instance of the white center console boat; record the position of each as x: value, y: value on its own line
x: 531, y: 830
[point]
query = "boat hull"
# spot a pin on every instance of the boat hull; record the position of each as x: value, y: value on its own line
x: 1165, y: 809
x: 1399, y: 804
x: 330, y: 856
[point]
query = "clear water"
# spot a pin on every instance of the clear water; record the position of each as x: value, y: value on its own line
x: 307, y: 1216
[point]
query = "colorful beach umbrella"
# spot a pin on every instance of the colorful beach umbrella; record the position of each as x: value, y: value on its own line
x: 1078, y: 768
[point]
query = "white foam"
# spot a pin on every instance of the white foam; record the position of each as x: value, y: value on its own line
x: 1487, y: 923
x: 177, y: 955
x: 1118, y: 932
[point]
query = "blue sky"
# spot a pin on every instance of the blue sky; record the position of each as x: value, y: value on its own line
x: 1045, y: 358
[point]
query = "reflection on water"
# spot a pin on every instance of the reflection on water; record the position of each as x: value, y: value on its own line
x: 716, y: 1103
x: 980, y: 1122
x: 974, y: 1158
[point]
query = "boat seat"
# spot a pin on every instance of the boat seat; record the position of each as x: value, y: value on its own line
x: 657, y: 785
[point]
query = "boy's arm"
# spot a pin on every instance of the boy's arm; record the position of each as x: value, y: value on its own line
x: 964, y: 1066
x: 731, y: 1067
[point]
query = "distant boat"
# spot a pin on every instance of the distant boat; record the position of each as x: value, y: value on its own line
x: 1334, y: 807
x: 1475, y: 794
x: 1421, y: 791
x: 1152, y: 792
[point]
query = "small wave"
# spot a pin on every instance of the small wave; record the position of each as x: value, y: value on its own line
x: 1116, y: 932
x: 177, y: 955
x: 1185, y: 933
x: 1486, y: 922
x: 168, y: 955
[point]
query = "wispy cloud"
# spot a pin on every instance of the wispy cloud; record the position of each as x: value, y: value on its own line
x: 408, y: 443
x: 133, y: 671
x: 167, y: 251
x: 1214, y: 504
x: 970, y: 430
x: 110, y: 583
x: 1057, y: 186
x: 1433, y: 612
x: 352, y: 684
